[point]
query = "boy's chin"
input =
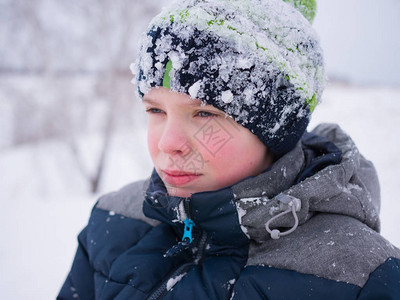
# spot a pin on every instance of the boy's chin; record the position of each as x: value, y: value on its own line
x: 178, y: 192
x: 182, y: 191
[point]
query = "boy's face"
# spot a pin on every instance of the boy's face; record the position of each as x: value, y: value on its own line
x: 196, y: 147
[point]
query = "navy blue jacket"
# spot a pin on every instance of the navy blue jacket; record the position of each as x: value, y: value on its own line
x: 132, y: 247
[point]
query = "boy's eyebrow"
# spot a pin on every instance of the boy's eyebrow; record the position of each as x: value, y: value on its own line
x: 192, y: 102
x: 149, y: 101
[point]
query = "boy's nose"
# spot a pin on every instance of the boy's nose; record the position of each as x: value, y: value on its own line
x: 175, y: 139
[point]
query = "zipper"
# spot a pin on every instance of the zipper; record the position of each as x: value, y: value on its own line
x: 187, y: 238
x: 182, y: 245
x: 201, y: 248
x: 162, y: 289
x: 187, y: 206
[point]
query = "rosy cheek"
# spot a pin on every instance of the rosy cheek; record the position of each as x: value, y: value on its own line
x: 226, y: 152
x: 228, y: 166
x: 234, y: 161
x: 223, y: 164
x: 152, y: 142
x: 235, y: 149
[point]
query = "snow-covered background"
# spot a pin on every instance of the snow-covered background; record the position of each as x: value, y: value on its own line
x: 67, y: 108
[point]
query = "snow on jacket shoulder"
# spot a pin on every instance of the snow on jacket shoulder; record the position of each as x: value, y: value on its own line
x: 306, y: 228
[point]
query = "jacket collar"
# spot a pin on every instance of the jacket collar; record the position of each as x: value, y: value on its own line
x: 214, y: 212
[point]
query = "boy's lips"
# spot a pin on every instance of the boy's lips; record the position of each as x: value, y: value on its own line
x: 178, y: 177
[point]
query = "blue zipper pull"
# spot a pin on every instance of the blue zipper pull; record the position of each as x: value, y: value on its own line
x: 186, y: 239
x: 187, y: 234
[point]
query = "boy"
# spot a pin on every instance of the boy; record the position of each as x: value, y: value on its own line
x: 242, y: 203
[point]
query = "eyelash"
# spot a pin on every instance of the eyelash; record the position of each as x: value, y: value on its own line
x: 208, y: 114
x: 154, y: 111
x: 201, y: 114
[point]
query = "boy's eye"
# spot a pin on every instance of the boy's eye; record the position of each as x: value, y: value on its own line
x: 205, y: 114
x: 152, y: 110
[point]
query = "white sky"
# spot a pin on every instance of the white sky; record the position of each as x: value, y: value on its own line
x: 361, y: 39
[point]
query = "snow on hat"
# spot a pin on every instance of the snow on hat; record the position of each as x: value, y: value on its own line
x: 259, y: 61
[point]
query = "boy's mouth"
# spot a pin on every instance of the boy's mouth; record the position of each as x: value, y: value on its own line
x: 178, y: 177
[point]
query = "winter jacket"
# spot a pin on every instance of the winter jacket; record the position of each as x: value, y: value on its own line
x: 320, y: 202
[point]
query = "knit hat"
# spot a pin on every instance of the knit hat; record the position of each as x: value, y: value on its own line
x: 259, y: 61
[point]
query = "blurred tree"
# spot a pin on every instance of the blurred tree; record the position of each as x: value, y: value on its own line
x: 65, y: 65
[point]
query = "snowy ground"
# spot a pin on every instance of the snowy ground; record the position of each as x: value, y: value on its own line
x: 45, y: 201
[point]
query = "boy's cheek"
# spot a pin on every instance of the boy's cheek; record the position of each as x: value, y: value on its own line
x: 224, y: 153
x: 214, y: 138
x: 219, y: 161
x: 152, y: 143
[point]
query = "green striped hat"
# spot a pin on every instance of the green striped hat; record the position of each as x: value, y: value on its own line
x: 259, y: 61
